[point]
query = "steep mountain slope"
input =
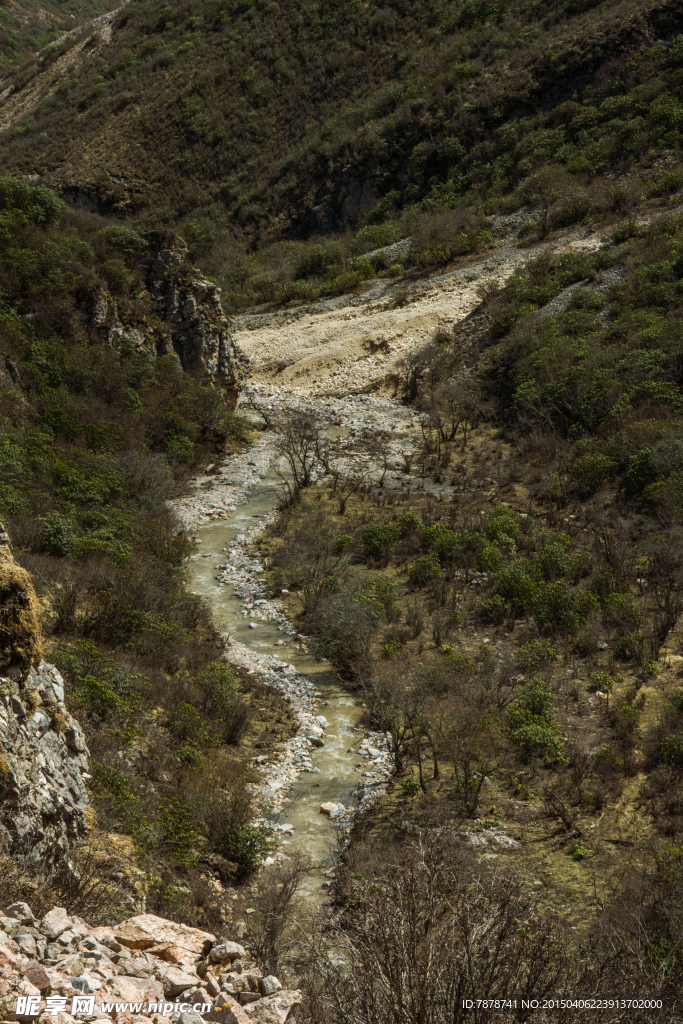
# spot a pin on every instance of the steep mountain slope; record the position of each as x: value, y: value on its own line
x: 251, y: 120
x: 29, y: 26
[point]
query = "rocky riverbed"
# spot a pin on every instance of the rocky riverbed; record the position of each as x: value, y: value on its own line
x: 356, y: 762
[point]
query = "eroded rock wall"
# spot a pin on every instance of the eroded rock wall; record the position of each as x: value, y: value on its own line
x: 188, y: 323
x: 43, y: 755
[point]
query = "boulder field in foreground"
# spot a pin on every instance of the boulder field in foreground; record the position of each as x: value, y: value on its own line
x: 144, y: 960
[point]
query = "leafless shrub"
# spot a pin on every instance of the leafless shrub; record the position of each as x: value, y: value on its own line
x: 428, y: 934
x: 272, y: 930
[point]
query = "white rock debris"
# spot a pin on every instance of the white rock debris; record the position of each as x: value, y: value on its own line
x: 144, y: 960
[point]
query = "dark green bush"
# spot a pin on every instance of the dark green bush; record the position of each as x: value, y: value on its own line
x: 671, y: 751
x: 530, y: 725
x: 424, y: 570
x: 379, y: 539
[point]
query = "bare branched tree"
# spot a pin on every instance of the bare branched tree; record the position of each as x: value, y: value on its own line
x: 425, y: 938
x: 300, y: 444
x: 277, y: 905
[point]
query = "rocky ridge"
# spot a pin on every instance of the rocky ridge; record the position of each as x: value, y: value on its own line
x: 167, y: 971
x: 191, y: 325
x: 43, y: 756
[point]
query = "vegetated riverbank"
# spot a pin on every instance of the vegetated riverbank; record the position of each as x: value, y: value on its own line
x: 320, y: 766
x: 505, y: 611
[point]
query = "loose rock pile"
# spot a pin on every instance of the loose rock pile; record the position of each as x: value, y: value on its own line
x: 160, y: 967
x: 215, y: 495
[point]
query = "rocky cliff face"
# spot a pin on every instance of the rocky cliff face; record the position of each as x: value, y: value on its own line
x: 189, y: 323
x: 43, y: 756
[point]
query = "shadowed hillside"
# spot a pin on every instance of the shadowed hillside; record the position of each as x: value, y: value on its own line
x: 250, y: 123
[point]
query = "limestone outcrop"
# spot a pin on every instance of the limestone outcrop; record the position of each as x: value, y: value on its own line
x: 43, y: 756
x: 189, y: 322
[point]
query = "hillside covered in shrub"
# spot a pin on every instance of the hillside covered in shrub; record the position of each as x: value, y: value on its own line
x: 249, y: 126
x: 93, y: 440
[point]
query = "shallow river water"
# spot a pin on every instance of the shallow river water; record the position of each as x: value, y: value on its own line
x: 313, y: 832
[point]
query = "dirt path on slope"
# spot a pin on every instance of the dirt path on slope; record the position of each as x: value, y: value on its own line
x: 23, y: 101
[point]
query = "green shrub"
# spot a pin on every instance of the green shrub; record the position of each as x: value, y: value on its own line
x: 537, y: 740
x: 391, y: 648
x: 218, y: 685
x: 502, y: 526
x: 554, y: 560
x: 179, y: 829
x: 530, y: 725
x: 671, y: 751
x: 364, y: 268
x: 248, y: 845
x: 37, y: 203
x: 408, y: 522
x: 424, y: 570
x: 189, y: 756
x: 59, y: 533
x: 188, y: 725
x: 379, y: 539
x: 124, y: 240
x: 493, y: 609
x: 318, y: 260
x: 603, y: 681
x: 609, y: 758
x: 519, y: 586
x: 535, y: 654
x: 560, y: 609
x: 385, y: 593
x: 440, y: 539
x: 630, y: 646
x: 590, y: 472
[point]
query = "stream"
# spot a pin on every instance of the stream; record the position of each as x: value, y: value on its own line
x: 336, y: 777
x: 225, y: 511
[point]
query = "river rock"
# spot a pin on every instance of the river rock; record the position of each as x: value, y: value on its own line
x: 73, y: 965
x: 274, y: 1009
x: 20, y: 912
x: 84, y: 984
x: 226, y: 952
x: 322, y: 721
x: 176, y: 981
x: 328, y: 808
x: 133, y: 990
x: 55, y: 923
x: 26, y: 944
x: 38, y: 976
x: 147, y: 930
x: 317, y: 741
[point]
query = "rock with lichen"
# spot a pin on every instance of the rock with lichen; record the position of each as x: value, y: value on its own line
x: 43, y: 756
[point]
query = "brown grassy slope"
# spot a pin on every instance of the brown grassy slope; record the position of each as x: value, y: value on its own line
x: 27, y: 27
x: 246, y: 117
